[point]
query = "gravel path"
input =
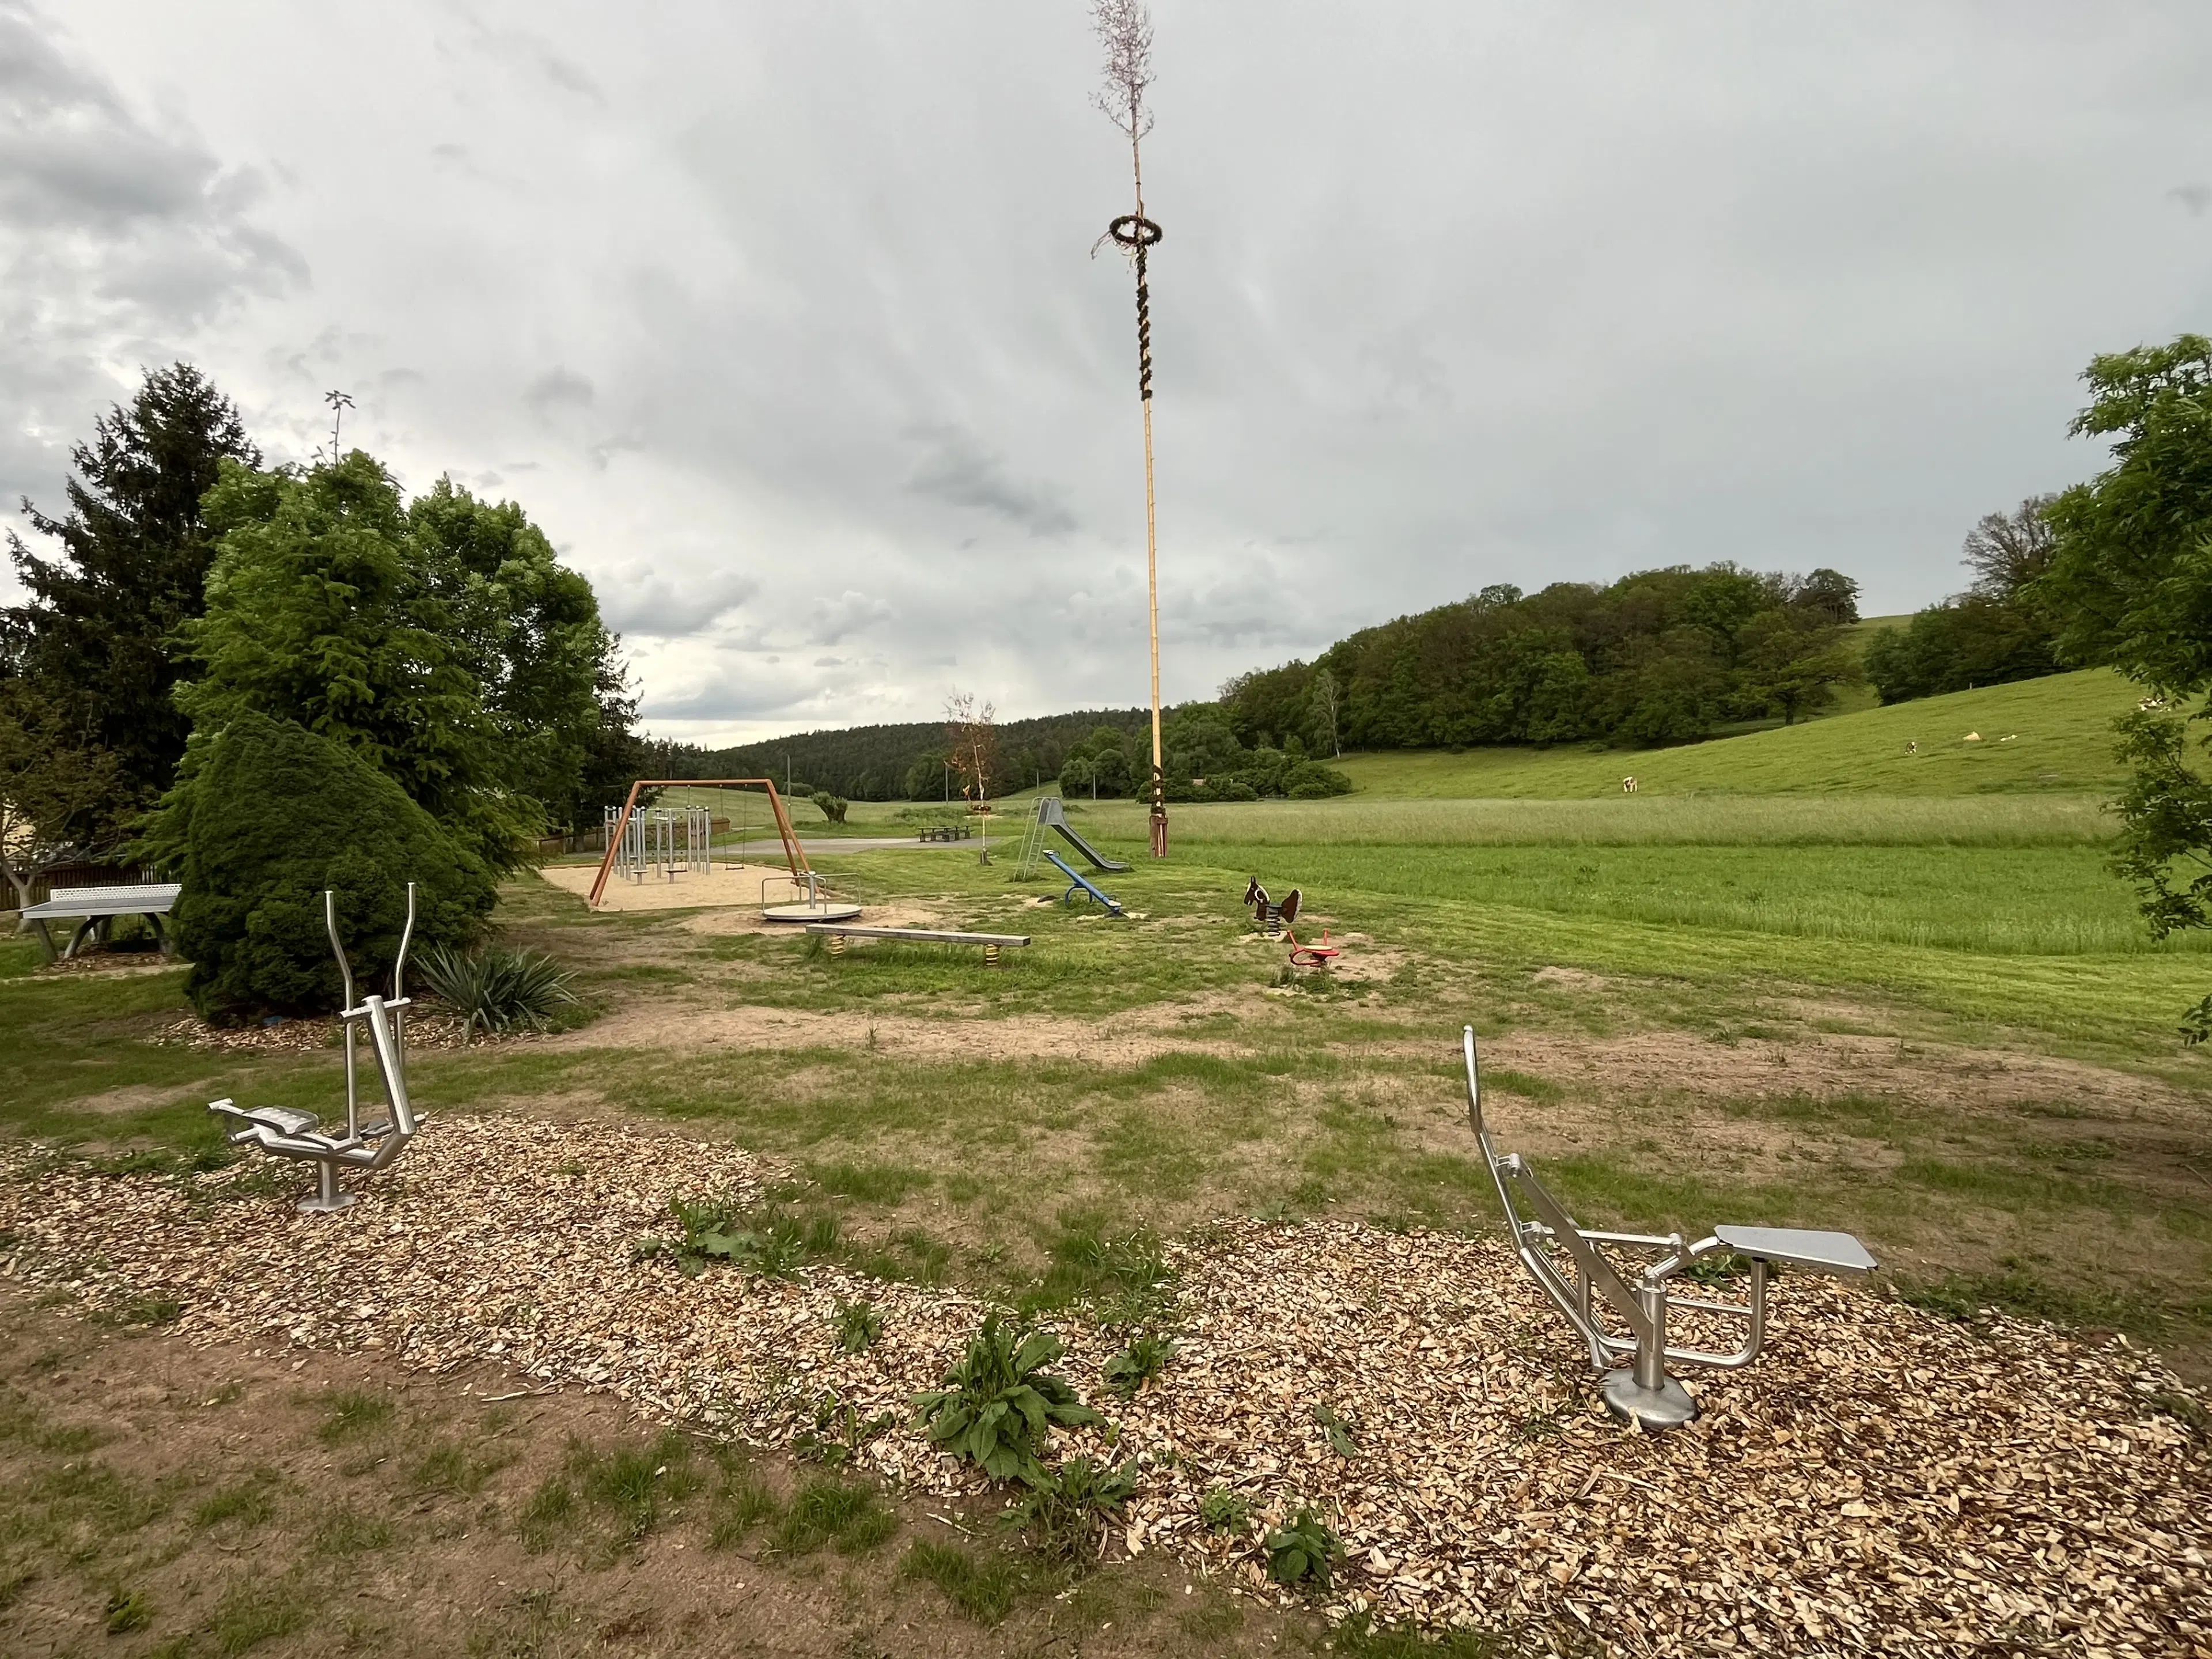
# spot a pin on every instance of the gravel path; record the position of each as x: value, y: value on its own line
x: 1881, y: 1482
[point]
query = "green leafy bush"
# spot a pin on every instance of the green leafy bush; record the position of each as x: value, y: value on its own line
x: 498, y: 989
x: 770, y: 1241
x: 265, y: 816
x: 998, y: 1404
x: 1144, y: 1358
x: 1225, y: 1511
x: 860, y: 1326
x: 1302, y: 1552
x: 1066, y: 1510
x: 833, y: 806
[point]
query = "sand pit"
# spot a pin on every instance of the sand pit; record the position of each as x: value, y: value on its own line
x: 727, y: 887
x: 1883, y: 1481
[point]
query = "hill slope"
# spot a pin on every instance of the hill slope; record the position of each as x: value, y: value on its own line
x: 2059, y: 730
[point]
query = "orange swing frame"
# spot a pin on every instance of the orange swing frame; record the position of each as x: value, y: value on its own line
x: 793, y: 853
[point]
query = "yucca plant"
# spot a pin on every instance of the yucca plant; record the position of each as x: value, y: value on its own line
x: 495, y: 988
x: 999, y: 1405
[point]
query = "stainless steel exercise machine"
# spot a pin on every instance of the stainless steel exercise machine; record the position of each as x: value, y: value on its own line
x: 283, y: 1132
x: 1569, y: 1264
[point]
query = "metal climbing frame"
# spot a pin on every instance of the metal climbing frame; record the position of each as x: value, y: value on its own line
x: 282, y: 1132
x: 1569, y: 1264
x: 627, y: 827
x: 646, y: 841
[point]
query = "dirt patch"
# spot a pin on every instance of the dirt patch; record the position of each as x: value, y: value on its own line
x: 668, y: 1024
x: 1571, y: 978
x: 1653, y: 1062
x: 131, y: 1097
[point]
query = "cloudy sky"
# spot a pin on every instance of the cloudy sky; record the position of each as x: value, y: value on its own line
x: 781, y: 319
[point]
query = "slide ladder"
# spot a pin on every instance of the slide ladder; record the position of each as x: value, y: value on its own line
x: 1052, y: 815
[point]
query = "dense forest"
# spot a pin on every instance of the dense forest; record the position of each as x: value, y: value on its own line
x: 908, y: 762
x: 1662, y: 656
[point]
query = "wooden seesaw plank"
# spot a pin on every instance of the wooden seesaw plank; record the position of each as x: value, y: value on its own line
x: 925, y: 935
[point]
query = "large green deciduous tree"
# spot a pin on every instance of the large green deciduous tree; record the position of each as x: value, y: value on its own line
x: 528, y: 631
x: 94, y: 647
x: 2131, y: 577
x: 324, y: 608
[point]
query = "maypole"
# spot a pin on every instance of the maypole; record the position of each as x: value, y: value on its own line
x: 1125, y: 28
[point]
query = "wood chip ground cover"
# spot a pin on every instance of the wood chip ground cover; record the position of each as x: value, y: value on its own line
x: 1881, y: 1481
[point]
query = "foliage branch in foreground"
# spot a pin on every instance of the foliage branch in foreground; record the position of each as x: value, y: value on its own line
x: 2132, y: 576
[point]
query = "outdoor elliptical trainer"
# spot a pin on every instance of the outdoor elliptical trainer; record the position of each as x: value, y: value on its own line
x: 1568, y: 1265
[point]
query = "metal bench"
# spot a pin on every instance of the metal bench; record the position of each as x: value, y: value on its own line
x: 992, y: 942
x: 1569, y: 1264
x: 283, y: 1132
x: 94, y: 908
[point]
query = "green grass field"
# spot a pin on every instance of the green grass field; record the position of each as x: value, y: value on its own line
x: 2059, y: 731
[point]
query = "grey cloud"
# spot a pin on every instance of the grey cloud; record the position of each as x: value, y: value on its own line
x: 849, y: 613
x: 665, y: 604
x: 957, y: 469
x: 538, y: 55
x: 121, y: 241
x: 1464, y: 294
x: 558, y: 388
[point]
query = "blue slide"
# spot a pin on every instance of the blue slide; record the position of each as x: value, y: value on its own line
x: 1113, y: 906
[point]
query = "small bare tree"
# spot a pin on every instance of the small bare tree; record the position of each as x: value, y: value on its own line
x: 971, y: 742
x: 1125, y: 29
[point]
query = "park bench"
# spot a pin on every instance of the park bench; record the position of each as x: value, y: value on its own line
x: 837, y: 933
x: 93, y: 908
x: 1570, y: 1265
x: 961, y: 832
x: 285, y: 1132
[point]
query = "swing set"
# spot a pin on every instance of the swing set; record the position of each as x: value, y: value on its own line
x: 632, y: 828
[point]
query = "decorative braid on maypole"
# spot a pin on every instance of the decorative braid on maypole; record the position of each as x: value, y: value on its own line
x: 1136, y: 235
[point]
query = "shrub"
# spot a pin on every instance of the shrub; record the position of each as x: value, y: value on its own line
x: 1144, y: 1358
x: 860, y: 1326
x: 1301, y: 1552
x: 1066, y: 1510
x: 499, y: 989
x: 833, y: 806
x: 768, y: 1242
x: 265, y: 816
x: 1224, y: 1510
x: 998, y: 1404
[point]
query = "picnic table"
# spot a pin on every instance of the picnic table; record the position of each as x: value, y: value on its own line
x: 960, y: 831
x: 94, y: 908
